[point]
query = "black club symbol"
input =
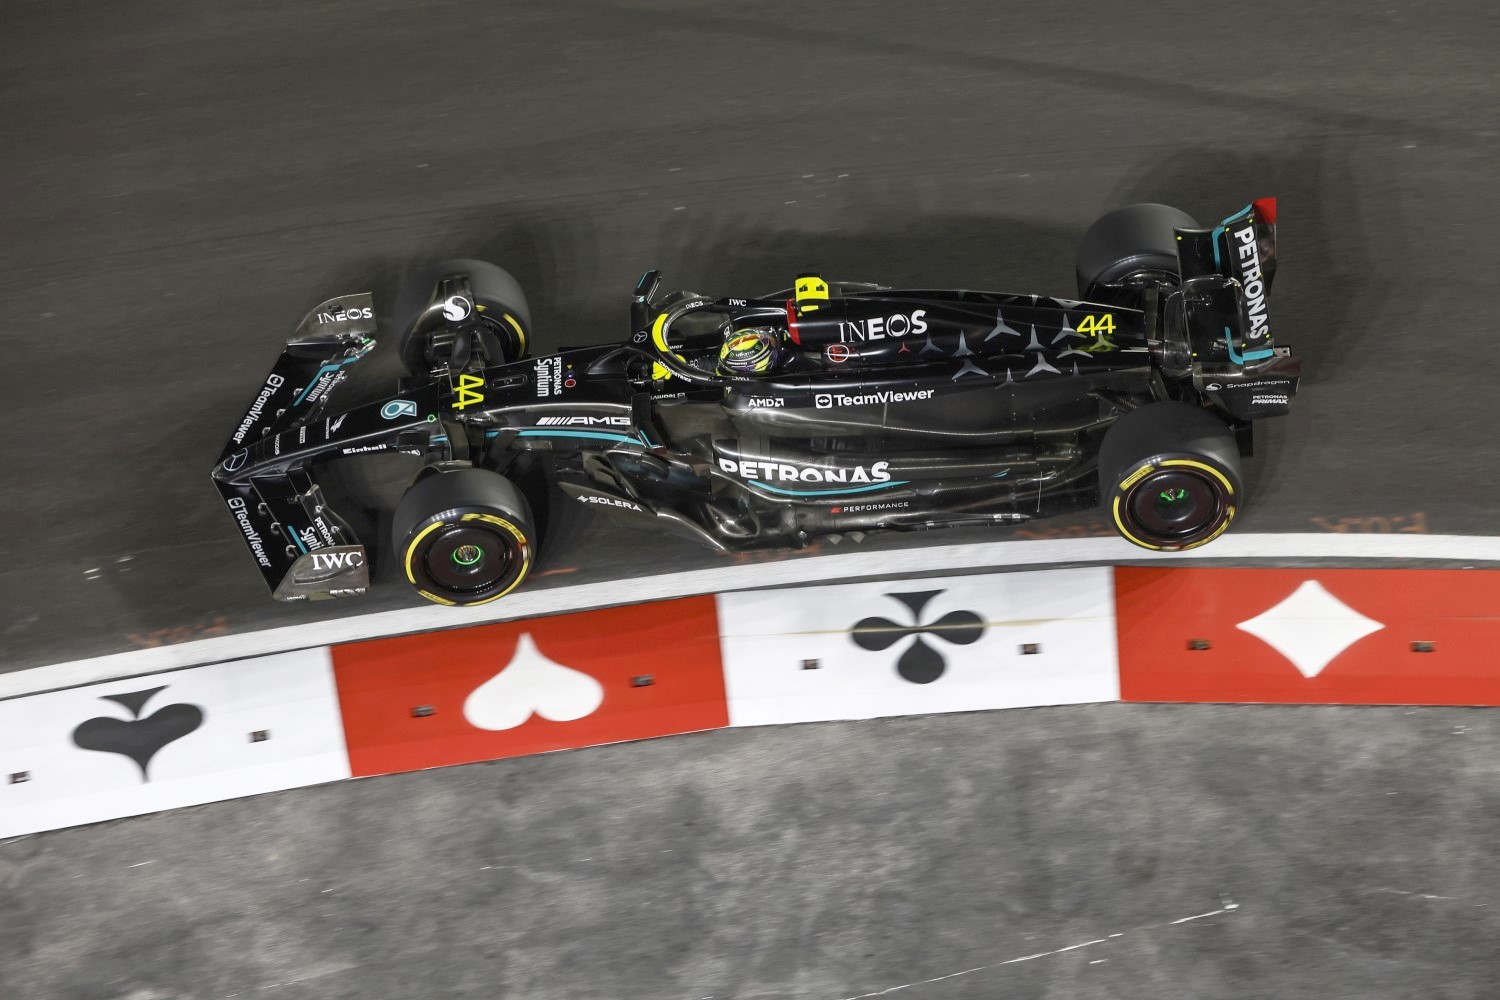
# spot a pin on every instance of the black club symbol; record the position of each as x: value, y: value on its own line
x: 919, y: 663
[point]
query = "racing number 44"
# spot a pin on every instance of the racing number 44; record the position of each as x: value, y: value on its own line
x: 1097, y: 325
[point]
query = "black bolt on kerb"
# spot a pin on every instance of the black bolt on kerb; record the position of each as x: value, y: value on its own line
x: 260, y: 736
x: 1030, y: 648
x: 1198, y: 645
x: 810, y: 664
x: 19, y: 776
x: 422, y: 711
x: 1424, y: 646
x: 644, y: 680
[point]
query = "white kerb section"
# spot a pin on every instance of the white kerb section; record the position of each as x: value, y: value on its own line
x: 912, y: 647
x: 211, y: 733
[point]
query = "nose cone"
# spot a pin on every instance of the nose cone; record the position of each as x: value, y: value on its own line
x: 232, y: 464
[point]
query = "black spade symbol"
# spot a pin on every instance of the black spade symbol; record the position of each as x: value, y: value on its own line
x: 920, y: 662
x: 137, y: 738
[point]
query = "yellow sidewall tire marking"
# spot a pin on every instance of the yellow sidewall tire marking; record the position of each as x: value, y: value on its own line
x: 1120, y: 526
x: 1206, y: 468
x: 411, y: 549
x: 515, y: 532
x: 1228, y: 517
x: 1229, y: 513
x: 520, y: 333
x: 1137, y: 475
x: 521, y: 541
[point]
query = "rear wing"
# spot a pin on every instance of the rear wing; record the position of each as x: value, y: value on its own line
x: 1221, y: 314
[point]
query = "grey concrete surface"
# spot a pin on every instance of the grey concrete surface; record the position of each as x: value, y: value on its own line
x: 1325, y: 852
x: 181, y: 181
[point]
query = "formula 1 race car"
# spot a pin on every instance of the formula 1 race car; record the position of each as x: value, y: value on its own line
x: 739, y: 422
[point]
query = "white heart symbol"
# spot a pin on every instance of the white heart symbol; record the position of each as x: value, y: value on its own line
x: 532, y: 684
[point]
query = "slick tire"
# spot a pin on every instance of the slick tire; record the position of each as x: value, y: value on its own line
x: 464, y: 537
x: 1169, y: 476
x: 1131, y: 243
x: 504, y: 317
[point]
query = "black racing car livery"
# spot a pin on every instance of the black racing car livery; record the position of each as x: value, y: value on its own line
x: 871, y: 408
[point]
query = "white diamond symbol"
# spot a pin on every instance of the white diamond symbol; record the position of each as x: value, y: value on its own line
x: 1310, y: 628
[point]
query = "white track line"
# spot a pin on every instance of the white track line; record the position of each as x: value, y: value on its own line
x: 813, y: 569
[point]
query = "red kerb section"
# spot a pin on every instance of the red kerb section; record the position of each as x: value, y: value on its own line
x: 1438, y: 642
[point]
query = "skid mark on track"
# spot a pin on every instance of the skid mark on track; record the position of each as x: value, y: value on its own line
x: 179, y: 633
x: 1228, y: 907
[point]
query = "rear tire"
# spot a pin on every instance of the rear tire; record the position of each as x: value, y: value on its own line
x: 464, y: 536
x: 504, y: 316
x: 1135, y: 243
x: 1169, y: 476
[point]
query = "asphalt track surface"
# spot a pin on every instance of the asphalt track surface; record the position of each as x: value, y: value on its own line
x: 181, y: 182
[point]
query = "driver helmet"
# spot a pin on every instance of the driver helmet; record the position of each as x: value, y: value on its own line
x: 752, y: 350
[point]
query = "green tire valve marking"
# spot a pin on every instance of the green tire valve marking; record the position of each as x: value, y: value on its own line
x: 467, y: 555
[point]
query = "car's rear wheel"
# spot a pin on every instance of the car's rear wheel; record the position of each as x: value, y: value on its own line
x: 1169, y: 476
x: 1131, y: 245
x: 503, y: 317
x: 465, y: 536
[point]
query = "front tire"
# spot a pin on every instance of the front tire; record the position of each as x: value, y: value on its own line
x: 504, y: 321
x: 1169, y: 476
x: 465, y: 536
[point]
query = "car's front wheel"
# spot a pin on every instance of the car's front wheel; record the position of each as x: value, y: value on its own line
x: 465, y: 536
x: 1169, y: 476
x: 502, y: 318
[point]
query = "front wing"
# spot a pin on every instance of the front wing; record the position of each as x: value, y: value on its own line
x: 302, y: 548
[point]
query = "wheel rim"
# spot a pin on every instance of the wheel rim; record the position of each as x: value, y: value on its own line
x: 1177, y: 507
x: 467, y: 558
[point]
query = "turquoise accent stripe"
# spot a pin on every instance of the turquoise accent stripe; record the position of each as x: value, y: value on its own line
x: 1248, y: 355
x: 1221, y: 228
x: 293, y: 533
x: 825, y: 493
x: 1232, y: 216
x: 599, y: 435
x: 320, y: 373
